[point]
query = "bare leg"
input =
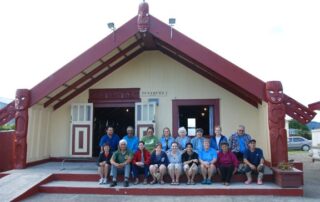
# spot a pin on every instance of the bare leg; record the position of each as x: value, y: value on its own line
x: 177, y: 172
x: 162, y: 170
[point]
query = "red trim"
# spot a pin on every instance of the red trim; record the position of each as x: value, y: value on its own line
x: 3, y: 175
x: 60, y: 159
x: 73, y: 140
x: 114, y: 95
x: 81, y: 136
x: 35, y: 163
x: 193, y: 102
x: 115, y: 104
x: 66, y: 73
x: 314, y: 106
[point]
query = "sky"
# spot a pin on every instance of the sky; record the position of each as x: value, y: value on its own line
x: 271, y: 39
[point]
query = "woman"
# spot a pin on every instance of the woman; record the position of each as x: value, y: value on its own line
x: 190, y: 161
x: 140, y: 163
x: 183, y: 139
x: 166, y: 139
x: 197, y: 142
x: 104, y: 164
x: 175, y: 164
x: 150, y: 141
x: 207, y: 158
x: 158, y: 165
x: 217, y: 139
x: 227, y: 163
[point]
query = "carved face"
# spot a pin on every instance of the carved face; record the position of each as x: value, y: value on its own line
x: 274, y: 92
x: 22, y: 99
x: 143, y: 17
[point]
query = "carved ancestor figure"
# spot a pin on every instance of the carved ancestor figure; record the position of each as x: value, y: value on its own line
x: 20, y: 150
x: 143, y: 17
x: 276, y: 120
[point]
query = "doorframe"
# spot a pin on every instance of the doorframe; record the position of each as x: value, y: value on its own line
x: 193, y: 102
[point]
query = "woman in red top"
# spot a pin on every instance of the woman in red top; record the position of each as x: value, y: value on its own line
x: 140, y: 163
x: 227, y: 163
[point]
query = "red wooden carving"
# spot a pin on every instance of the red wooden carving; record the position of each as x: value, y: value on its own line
x: 314, y: 106
x: 276, y: 120
x: 297, y: 111
x: 7, y: 113
x: 20, y: 148
x: 143, y: 17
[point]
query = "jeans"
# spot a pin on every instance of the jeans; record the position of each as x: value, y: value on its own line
x: 137, y: 169
x: 125, y: 169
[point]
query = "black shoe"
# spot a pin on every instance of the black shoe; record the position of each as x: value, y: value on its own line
x: 126, y: 183
x: 113, y: 184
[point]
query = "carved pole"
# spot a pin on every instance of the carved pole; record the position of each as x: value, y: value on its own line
x: 276, y: 121
x: 143, y: 17
x: 20, y: 144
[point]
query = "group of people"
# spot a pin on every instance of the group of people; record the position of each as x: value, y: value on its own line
x: 175, y: 156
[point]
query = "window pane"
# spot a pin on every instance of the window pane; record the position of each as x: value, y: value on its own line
x: 191, y: 122
x: 88, y: 118
x: 81, y: 113
x: 75, y: 113
x: 138, y: 112
x: 151, y: 112
x: 145, y: 112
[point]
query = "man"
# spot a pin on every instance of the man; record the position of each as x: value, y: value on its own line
x: 197, y: 141
x: 131, y: 139
x: 120, y: 160
x: 239, y: 142
x: 111, y: 139
x: 140, y: 163
x: 207, y: 158
x: 254, y: 161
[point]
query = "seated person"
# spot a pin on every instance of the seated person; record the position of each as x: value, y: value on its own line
x: 175, y: 164
x: 182, y: 139
x: 227, y: 163
x: 120, y: 160
x: 150, y: 140
x: 239, y: 142
x: 110, y: 138
x: 166, y: 139
x: 207, y: 158
x: 217, y: 138
x: 158, y: 164
x: 197, y: 141
x: 254, y: 160
x: 131, y: 139
x: 140, y: 163
x: 190, y: 162
x: 104, y: 164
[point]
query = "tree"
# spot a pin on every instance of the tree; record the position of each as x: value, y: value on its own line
x: 303, y: 130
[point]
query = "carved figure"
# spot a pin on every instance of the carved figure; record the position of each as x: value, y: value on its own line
x: 20, y: 150
x: 143, y: 17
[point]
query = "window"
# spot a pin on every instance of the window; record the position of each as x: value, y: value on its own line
x: 298, y: 140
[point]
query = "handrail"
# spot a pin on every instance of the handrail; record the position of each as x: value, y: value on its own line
x: 7, y: 113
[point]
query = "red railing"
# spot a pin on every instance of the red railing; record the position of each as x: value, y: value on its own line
x: 7, y: 113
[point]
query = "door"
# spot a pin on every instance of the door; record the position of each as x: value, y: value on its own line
x: 81, y: 130
x: 145, y: 116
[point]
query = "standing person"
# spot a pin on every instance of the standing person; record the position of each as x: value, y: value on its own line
x: 217, y: 138
x: 150, y: 141
x: 190, y: 162
x: 207, y: 158
x: 166, y: 140
x: 131, y: 139
x: 120, y: 160
x: 182, y: 139
x: 227, y: 163
x: 158, y: 165
x: 104, y: 164
x: 140, y: 163
x: 110, y: 138
x: 239, y: 142
x: 197, y: 141
x: 254, y: 161
x: 175, y: 163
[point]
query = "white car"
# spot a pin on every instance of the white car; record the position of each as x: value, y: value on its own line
x: 298, y: 142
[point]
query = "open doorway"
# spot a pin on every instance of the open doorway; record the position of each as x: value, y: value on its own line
x: 192, y: 117
x: 118, y: 117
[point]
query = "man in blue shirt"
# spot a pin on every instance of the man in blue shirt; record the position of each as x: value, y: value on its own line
x: 254, y: 160
x: 239, y: 142
x: 111, y: 139
x: 207, y: 158
x: 132, y: 140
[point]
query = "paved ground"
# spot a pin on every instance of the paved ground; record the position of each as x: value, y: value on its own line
x: 311, y: 189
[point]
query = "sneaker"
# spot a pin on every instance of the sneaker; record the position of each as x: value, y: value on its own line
x: 126, y: 183
x: 113, y: 184
x: 145, y: 181
x: 204, y: 181
x: 101, y: 181
x: 136, y: 181
x: 259, y: 182
x: 104, y: 181
x: 248, y: 182
x: 208, y: 181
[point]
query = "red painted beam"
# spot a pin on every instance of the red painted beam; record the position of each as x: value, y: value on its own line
x: 89, y: 75
x: 76, y: 66
x: 98, y: 78
x: 314, y: 106
x: 7, y: 113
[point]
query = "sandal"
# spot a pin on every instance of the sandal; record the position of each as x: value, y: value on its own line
x: 162, y: 182
x: 153, y: 182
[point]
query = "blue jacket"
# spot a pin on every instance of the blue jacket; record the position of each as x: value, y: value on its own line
x: 113, y: 141
x: 163, y: 159
x: 132, y: 143
x: 216, y: 145
x: 163, y: 142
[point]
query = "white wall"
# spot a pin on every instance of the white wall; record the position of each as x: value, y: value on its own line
x: 315, y: 137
